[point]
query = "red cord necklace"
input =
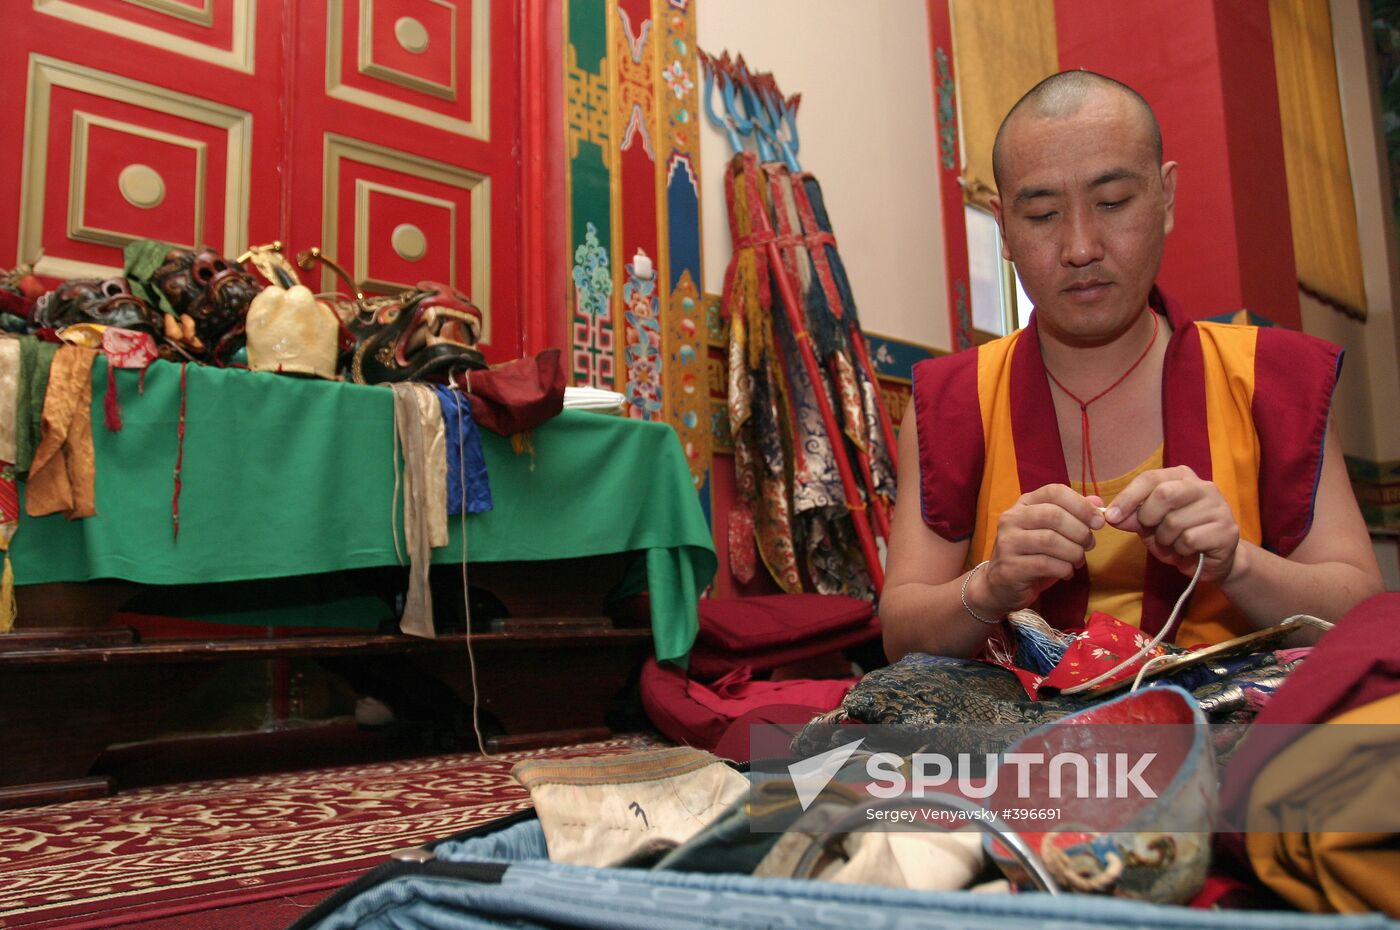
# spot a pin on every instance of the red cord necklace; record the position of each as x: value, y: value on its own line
x: 1086, y: 456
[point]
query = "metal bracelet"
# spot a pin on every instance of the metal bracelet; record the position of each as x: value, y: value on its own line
x: 974, y: 614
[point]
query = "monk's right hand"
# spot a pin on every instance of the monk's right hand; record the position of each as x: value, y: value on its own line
x: 1041, y: 539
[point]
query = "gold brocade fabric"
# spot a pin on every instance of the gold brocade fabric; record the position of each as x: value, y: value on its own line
x: 434, y: 463
x: 9, y: 396
x: 62, y: 477
x: 761, y: 464
x: 1001, y: 49
x: 1320, y: 198
x: 791, y: 376
x: 1339, y: 775
x: 419, y: 432
x: 817, y: 490
x: 853, y: 421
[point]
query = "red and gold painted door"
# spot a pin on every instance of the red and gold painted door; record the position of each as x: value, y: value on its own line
x: 385, y: 131
x: 138, y: 119
x: 403, y: 161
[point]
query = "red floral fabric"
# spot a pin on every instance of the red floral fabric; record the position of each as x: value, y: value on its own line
x: 1104, y: 642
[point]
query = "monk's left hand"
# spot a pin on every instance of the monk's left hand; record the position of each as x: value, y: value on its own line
x: 1179, y: 516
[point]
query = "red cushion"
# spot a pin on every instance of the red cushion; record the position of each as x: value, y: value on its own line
x: 717, y: 717
x: 708, y: 661
x: 756, y: 624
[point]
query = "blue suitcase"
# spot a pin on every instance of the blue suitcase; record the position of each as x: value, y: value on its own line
x: 499, y: 875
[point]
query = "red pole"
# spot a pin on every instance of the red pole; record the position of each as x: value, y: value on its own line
x: 863, y: 357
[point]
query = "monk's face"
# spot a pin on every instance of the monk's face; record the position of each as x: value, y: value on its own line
x: 1084, y: 209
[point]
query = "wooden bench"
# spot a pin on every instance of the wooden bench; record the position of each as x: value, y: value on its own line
x: 67, y: 694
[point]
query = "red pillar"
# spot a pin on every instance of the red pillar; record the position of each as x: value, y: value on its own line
x: 950, y: 191
x: 544, y: 267
x: 1207, y: 68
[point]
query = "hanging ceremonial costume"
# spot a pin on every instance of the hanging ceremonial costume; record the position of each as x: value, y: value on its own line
x: 755, y: 386
x: 787, y: 468
x: 1243, y: 407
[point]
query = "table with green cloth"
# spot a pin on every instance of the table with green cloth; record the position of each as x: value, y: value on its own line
x: 287, y: 476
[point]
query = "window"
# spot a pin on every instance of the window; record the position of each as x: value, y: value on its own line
x: 999, y: 304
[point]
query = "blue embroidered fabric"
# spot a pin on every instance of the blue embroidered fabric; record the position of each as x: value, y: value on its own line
x: 463, y: 453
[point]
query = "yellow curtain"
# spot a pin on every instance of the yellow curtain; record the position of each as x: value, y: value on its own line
x: 1001, y: 49
x: 1315, y: 155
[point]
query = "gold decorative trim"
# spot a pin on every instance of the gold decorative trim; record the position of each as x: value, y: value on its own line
x: 586, y: 107
x: 370, y: 68
x: 412, y: 35
x: 141, y: 186
x: 47, y: 73
x: 200, y: 17
x: 239, y: 57
x: 409, y: 242
x: 478, y: 127
x: 685, y: 337
x: 77, y: 187
x: 360, y: 270
x: 340, y: 148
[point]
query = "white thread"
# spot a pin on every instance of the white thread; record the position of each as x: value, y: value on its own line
x: 466, y: 593
x: 1137, y: 682
x: 1166, y: 627
x: 1303, y: 619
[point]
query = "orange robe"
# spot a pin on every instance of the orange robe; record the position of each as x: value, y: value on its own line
x: 1244, y: 407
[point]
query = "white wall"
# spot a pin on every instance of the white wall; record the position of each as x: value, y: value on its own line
x: 867, y: 132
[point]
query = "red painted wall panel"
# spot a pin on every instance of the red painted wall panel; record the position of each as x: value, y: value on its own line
x: 402, y: 135
x: 544, y: 270
x: 282, y: 86
x: 1207, y: 68
x: 106, y: 51
x: 1268, y: 271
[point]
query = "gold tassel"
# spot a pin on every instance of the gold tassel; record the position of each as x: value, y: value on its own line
x: 522, y: 443
x: 8, y: 607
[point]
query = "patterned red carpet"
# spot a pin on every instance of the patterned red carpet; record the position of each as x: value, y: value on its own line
x: 170, y: 850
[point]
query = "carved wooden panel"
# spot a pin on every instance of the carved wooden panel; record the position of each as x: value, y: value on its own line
x: 109, y: 159
x: 386, y: 132
x: 219, y: 32
x: 138, y: 119
x: 405, y: 117
x: 424, y: 60
x: 396, y: 219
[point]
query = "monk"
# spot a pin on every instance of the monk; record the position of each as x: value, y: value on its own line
x: 1099, y: 458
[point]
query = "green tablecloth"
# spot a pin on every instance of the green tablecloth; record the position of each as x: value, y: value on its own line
x: 284, y: 476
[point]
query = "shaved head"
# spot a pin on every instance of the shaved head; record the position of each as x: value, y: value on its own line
x: 1064, y: 94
